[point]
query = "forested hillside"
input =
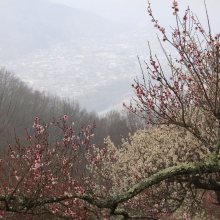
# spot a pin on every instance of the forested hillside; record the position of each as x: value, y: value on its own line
x: 19, y: 105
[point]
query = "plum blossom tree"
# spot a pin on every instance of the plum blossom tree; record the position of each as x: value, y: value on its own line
x: 157, y: 174
x: 47, y: 168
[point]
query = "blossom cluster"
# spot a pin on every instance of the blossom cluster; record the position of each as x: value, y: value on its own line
x: 48, y: 168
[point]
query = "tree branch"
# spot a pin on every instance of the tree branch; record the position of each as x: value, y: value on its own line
x: 111, y: 203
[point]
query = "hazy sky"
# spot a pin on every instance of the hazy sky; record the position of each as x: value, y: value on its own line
x: 117, y: 10
x: 136, y: 10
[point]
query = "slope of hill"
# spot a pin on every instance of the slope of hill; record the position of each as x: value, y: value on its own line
x: 27, y: 25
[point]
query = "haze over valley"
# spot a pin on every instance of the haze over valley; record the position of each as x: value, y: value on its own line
x: 76, y: 53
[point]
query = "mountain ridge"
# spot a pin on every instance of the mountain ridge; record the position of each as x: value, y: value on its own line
x: 29, y: 25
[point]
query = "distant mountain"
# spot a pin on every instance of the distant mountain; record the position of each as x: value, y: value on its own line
x: 33, y: 24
